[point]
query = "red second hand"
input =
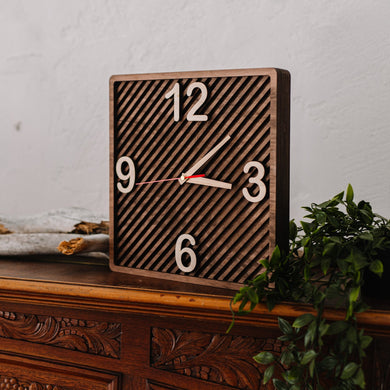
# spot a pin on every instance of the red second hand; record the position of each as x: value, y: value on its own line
x: 162, y: 180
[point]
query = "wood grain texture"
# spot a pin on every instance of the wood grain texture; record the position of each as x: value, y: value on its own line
x: 232, y: 234
x: 94, y: 287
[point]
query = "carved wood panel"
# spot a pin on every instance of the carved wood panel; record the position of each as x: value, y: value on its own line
x: 23, y: 373
x: 9, y: 382
x: 217, y: 358
x: 97, y: 338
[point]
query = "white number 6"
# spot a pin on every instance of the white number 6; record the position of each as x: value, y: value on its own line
x: 256, y: 180
x: 179, y: 251
x: 130, y: 175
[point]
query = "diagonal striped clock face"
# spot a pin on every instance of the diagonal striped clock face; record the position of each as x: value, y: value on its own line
x: 232, y: 234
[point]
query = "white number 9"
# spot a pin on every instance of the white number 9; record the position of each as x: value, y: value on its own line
x: 256, y: 180
x: 179, y: 253
x: 130, y: 175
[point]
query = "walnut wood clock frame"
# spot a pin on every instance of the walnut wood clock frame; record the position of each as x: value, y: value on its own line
x: 141, y: 107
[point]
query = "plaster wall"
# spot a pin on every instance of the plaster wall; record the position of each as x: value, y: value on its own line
x: 56, y: 58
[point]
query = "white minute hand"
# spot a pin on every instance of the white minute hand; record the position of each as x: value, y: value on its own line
x: 203, y: 160
x: 209, y: 182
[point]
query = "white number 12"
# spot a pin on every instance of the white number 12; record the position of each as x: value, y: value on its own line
x: 191, y: 116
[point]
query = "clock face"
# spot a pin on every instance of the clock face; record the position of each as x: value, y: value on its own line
x: 199, y: 173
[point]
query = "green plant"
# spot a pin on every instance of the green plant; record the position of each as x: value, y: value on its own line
x: 330, y: 254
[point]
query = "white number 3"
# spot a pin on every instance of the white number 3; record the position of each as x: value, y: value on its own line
x: 256, y: 180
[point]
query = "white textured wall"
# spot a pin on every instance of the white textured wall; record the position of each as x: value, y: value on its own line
x: 56, y: 57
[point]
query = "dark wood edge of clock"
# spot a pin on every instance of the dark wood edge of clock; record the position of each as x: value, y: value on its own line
x: 177, y: 278
x: 282, y: 190
x: 273, y: 72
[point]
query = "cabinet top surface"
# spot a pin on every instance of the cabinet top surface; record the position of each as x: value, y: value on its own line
x: 82, y: 271
x: 82, y: 284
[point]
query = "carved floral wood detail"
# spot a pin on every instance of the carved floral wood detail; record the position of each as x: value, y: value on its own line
x: 98, y: 338
x: 222, y: 359
x: 7, y: 382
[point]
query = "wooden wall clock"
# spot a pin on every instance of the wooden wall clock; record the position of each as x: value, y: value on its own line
x: 199, y: 173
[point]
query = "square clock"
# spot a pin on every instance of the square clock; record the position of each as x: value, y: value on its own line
x: 199, y: 173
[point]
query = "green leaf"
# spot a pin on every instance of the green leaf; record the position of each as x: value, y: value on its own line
x: 264, y: 263
x: 325, y: 264
x: 336, y: 239
x: 285, y: 337
x: 321, y: 217
x: 275, y: 258
x: 354, y: 294
x: 343, y: 265
x: 349, y: 194
x: 358, y: 259
x: 318, y: 297
x: 291, y: 376
x: 305, y: 241
x: 293, y: 230
x: 279, y: 385
x: 337, y: 327
x: 339, y: 196
x: 264, y: 357
x: 329, y: 248
x: 310, y: 334
x: 358, y: 380
x: 243, y: 303
x: 377, y: 267
x: 349, y: 370
x: 334, y: 221
x: 352, y: 335
x: 308, y: 356
x: 295, y: 387
x: 237, y: 297
x: 311, y: 368
x: 307, y: 227
x: 328, y: 363
x: 323, y: 329
x: 365, y: 341
x: 367, y: 216
x: 270, y: 303
x: 367, y: 236
x: 303, y: 320
x: 253, y: 297
x: 268, y: 374
x: 352, y: 210
x: 284, y: 326
x: 287, y: 357
x: 259, y: 278
x: 361, y: 307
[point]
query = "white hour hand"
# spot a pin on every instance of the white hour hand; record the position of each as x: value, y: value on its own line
x: 204, y: 181
x: 205, y: 158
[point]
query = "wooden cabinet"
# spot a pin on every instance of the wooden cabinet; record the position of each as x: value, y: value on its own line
x: 80, y: 326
